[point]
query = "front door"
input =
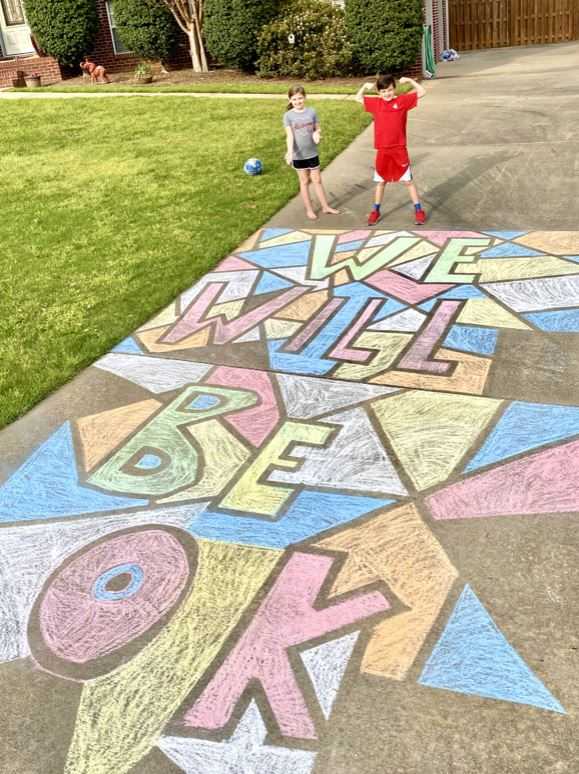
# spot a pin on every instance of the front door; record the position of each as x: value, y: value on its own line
x: 14, y: 31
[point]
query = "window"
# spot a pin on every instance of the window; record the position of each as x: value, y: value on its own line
x: 13, y: 12
x: 118, y: 45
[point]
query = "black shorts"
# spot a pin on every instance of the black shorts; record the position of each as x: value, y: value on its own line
x: 312, y: 163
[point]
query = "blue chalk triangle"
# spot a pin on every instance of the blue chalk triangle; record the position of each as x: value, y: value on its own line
x: 270, y: 282
x: 272, y: 233
x: 295, y: 254
x: 47, y: 486
x: 510, y: 250
x: 472, y: 338
x: 561, y: 320
x: 310, y: 513
x: 461, y: 292
x: 525, y: 426
x: 427, y: 305
x: 357, y: 290
x: 473, y: 657
x: 347, y: 246
x: 128, y: 347
x: 506, y: 234
x: 388, y: 308
x: 574, y: 258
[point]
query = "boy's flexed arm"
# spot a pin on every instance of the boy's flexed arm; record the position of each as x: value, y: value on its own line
x: 420, y: 90
x: 363, y: 88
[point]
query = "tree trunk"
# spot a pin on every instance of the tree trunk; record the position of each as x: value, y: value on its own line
x: 202, y: 53
x: 198, y: 57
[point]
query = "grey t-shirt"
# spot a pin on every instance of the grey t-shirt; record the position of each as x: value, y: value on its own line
x: 302, y: 125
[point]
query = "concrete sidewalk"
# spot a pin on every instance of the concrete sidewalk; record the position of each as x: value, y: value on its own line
x: 32, y: 95
x: 494, y: 144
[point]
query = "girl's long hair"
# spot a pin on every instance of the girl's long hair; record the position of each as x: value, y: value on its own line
x: 292, y: 91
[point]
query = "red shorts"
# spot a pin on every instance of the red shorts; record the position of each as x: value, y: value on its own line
x: 392, y: 163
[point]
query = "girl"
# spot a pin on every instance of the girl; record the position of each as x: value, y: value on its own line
x: 303, y: 135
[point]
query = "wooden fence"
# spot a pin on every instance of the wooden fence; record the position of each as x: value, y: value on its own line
x: 493, y: 23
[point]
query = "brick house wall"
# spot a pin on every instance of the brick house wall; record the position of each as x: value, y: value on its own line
x: 47, y: 67
x: 440, y: 27
x: 436, y: 15
x: 436, y: 29
x: 104, y: 54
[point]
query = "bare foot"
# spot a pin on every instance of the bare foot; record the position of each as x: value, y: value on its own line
x: 330, y: 211
x: 311, y: 215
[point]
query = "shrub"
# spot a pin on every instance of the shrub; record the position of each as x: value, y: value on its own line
x: 386, y: 34
x: 64, y: 29
x: 231, y: 27
x: 309, y: 41
x: 146, y: 27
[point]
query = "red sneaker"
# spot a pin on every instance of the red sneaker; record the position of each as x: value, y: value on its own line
x: 419, y: 217
x: 373, y: 217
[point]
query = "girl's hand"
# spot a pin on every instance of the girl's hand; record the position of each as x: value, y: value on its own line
x: 288, y: 158
x: 404, y: 79
x: 317, y: 136
x: 369, y: 86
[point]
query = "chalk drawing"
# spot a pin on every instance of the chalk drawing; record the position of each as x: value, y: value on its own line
x: 252, y: 525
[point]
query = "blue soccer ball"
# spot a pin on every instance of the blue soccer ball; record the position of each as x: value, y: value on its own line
x: 253, y: 167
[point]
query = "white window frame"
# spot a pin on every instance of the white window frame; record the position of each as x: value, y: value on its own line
x: 113, y: 30
x: 22, y: 19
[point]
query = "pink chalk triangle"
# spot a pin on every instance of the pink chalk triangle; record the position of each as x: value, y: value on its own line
x: 353, y: 236
x: 404, y: 288
x: 541, y: 483
x: 441, y: 237
x: 234, y: 264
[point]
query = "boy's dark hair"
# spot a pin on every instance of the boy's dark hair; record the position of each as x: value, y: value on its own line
x: 292, y: 91
x: 385, y: 81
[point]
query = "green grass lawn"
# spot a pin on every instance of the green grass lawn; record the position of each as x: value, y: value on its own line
x: 112, y: 207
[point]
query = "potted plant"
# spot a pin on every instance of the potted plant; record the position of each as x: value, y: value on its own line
x: 18, y: 81
x: 32, y: 80
x: 143, y: 73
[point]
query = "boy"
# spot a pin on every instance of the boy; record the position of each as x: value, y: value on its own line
x: 390, y: 115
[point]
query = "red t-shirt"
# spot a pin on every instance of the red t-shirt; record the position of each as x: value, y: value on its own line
x: 390, y: 118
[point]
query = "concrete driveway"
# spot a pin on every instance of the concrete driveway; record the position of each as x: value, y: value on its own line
x: 319, y: 515
x: 495, y: 144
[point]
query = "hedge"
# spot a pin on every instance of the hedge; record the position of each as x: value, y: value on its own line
x: 309, y: 40
x: 146, y: 27
x: 386, y: 34
x: 231, y: 28
x: 64, y: 29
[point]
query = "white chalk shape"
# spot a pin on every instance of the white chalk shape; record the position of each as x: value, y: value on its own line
x: 156, y: 374
x: 326, y: 665
x: 409, y: 320
x: 355, y: 459
x: 238, y: 284
x: 306, y: 397
x: 415, y: 269
x: 243, y: 753
x: 533, y: 294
